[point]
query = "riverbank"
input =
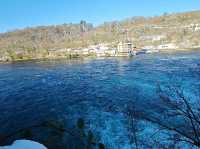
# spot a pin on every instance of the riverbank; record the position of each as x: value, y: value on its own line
x: 178, y: 50
x: 68, y: 56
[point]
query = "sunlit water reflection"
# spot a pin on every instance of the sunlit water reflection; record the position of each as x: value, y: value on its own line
x: 96, y: 90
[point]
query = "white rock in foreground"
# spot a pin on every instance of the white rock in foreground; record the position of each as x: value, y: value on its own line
x: 24, y: 144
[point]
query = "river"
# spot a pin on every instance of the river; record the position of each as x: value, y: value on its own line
x: 94, y: 89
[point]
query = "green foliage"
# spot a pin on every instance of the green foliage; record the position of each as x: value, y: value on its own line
x: 90, y: 139
x: 90, y: 136
x: 80, y: 123
x: 101, y: 146
x: 55, y: 133
x: 55, y: 124
x: 27, y: 134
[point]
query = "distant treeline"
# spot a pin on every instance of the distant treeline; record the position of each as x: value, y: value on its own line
x: 181, y: 29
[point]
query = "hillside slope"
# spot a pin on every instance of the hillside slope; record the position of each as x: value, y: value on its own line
x: 182, y: 29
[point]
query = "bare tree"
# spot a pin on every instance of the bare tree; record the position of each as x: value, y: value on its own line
x: 133, y: 123
x: 179, y: 115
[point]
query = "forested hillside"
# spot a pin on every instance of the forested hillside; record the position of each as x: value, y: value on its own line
x: 182, y: 29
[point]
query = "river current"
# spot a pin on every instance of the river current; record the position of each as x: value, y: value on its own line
x: 94, y: 89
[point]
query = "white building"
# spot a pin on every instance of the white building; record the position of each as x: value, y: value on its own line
x: 167, y: 46
x: 85, y: 51
x: 100, y: 53
x: 111, y: 52
x: 153, y: 37
x: 125, y: 49
x: 150, y: 47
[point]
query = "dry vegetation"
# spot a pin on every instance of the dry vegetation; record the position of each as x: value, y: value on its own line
x: 36, y: 42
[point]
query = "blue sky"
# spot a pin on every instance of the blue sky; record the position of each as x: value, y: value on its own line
x: 15, y: 14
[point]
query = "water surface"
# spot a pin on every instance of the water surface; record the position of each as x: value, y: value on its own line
x: 96, y: 90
